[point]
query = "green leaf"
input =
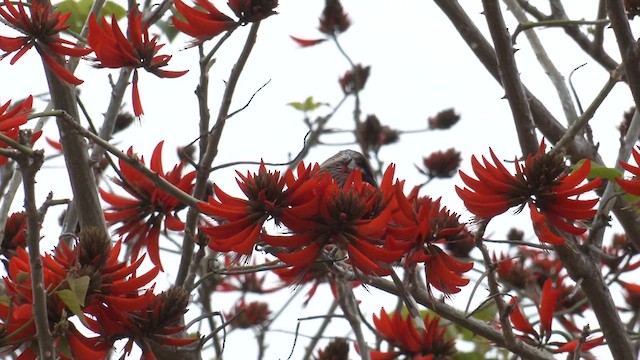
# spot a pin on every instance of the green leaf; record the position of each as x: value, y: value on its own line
x: 168, y: 29
x: 70, y: 301
x: 5, y: 300
x: 73, y: 298
x: 63, y: 347
x: 486, y: 314
x: 75, y: 20
x: 598, y: 171
x: 79, y: 286
x: 112, y: 8
x: 81, y: 9
x: 307, y: 105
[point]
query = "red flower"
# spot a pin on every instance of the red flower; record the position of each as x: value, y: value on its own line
x: 11, y: 119
x: 354, y: 80
x: 136, y: 50
x: 632, y: 295
x: 202, y: 23
x: 333, y: 21
x: 631, y: 186
x: 253, y: 10
x: 157, y: 320
x: 141, y: 218
x: 306, y: 42
x: 417, y: 344
x: 266, y: 198
x: 441, y: 164
x: 352, y: 219
x: 546, y: 309
x: 41, y: 29
x: 428, y: 224
x: 245, y: 316
x: 572, y: 345
x: 542, y: 183
x: 14, y: 233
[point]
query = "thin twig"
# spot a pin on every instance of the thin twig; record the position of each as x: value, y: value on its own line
x: 211, y: 151
x: 29, y: 166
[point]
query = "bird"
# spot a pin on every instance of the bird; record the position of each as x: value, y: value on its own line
x: 344, y: 162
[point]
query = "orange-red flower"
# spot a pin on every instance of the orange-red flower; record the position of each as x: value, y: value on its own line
x: 421, y: 224
x: 253, y: 10
x: 136, y: 50
x: 141, y: 218
x: 632, y: 186
x: 41, y: 29
x: 14, y: 233
x: 203, y: 22
x: 352, y: 219
x: 542, y: 182
x: 441, y: 164
x: 333, y: 21
x: 246, y: 315
x: 407, y: 340
x: 546, y: 309
x: 10, y: 121
x: 266, y: 198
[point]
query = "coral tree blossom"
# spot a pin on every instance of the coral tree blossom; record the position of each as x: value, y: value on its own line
x: 351, y: 221
x: 11, y: 119
x: 266, y: 197
x: 136, y: 50
x: 203, y: 22
x: 542, y: 183
x: 41, y: 29
x: 430, y: 224
x: 141, y: 218
x: 410, y: 342
x: 631, y: 186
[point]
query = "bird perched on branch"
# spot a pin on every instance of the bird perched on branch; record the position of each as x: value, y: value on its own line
x: 344, y: 162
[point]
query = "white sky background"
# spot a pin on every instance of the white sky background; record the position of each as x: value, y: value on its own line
x: 419, y: 66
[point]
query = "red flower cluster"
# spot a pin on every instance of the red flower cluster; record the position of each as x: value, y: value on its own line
x: 631, y: 186
x: 247, y: 315
x: 14, y: 234
x: 418, y: 344
x: 370, y: 227
x: 333, y: 21
x: 90, y: 282
x: 136, y: 50
x: 541, y: 183
x: 205, y: 21
x: 550, y: 298
x: 141, y: 218
x: 10, y: 121
x: 41, y: 29
x: 432, y: 225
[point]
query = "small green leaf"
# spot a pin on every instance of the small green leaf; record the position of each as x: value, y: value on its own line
x: 70, y: 301
x: 81, y: 9
x: 75, y: 20
x: 63, y: 347
x: 5, y: 300
x: 112, y: 8
x: 485, y: 314
x: 307, y: 105
x: 79, y: 286
x: 73, y: 298
x: 168, y: 29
